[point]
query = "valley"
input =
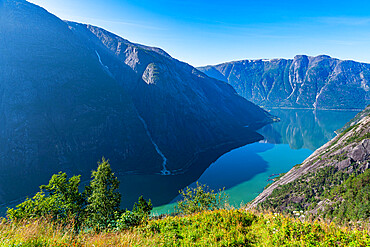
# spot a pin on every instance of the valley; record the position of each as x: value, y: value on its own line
x: 114, y: 131
x: 73, y: 93
x: 244, y: 171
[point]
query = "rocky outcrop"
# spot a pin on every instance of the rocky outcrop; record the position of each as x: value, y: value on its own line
x: 355, y: 120
x: 186, y: 111
x: 318, y: 82
x: 72, y: 93
x: 329, y: 166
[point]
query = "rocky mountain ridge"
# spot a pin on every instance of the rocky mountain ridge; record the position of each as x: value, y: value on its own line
x: 320, y: 183
x: 319, y: 82
x: 72, y: 93
x: 178, y: 90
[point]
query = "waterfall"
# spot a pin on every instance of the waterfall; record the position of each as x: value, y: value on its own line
x: 164, y: 170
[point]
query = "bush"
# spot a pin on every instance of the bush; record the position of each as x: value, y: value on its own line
x: 143, y: 207
x: 200, y: 199
x: 127, y: 220
x: 59, y: 200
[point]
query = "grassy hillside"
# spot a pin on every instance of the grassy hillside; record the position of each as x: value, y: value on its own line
x: 209, y: 228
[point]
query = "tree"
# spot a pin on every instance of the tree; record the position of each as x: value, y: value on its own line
x: 142, y: 207
x: 139, y: 215
x: 66, y: 190
x: 59, y: 200
x: 103, y: 197
x: 200, y: 199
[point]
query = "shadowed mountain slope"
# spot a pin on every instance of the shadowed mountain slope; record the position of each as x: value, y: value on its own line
x: 71, y: 93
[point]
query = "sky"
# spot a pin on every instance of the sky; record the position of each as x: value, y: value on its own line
x: 212, y: 32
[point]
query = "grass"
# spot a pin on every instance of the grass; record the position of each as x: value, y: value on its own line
x: 210, y: 228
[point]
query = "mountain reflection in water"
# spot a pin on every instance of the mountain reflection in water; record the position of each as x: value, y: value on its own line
x: 244, y: 171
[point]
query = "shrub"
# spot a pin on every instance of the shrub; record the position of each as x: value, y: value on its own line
x: 127, y: 220
x: 143, y: 207
x: 59, y: 200
x: 200, y: 199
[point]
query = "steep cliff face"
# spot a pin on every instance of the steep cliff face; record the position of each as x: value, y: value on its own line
x: 59, y: 110
x: 318, y: 82
x: 70, y: 94
x: 186, y: 112
x: 355, y: 120
x: 332, y: 182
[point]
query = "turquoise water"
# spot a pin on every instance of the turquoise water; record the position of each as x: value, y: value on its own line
x: 245, y: 171
x: 280, y: 159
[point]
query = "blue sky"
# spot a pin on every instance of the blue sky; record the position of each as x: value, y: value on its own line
x: 211, y: 32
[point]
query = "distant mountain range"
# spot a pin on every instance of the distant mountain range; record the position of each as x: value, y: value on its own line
x: 332, y: 183
x: 318, y: 82
x: 72, y: 93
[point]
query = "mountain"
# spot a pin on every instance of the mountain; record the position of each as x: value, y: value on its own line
x: 72, y: 93
x: 304, y: 128
x: 355, y: 120
x: 59, y: 110
x: 318, y: 82
x: 173, y: 97
x: 333, y: 182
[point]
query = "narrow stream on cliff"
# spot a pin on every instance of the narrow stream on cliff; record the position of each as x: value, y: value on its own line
x: 245, y: 171
x: 164, y: 170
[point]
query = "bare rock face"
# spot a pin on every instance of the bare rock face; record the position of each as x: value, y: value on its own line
x: 342, y: 165
x: 72, y: 93
x: 360, y: 152
x: 318, y: 82
x: 186, y: 112
x: 347, y: 153
x: 59, y: 108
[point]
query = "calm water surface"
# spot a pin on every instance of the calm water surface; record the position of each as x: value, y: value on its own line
x: 245, y: 171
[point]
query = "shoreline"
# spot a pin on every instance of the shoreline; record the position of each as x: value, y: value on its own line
x: 315, y: 109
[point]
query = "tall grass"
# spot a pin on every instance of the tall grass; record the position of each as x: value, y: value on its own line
x: 209, y: 228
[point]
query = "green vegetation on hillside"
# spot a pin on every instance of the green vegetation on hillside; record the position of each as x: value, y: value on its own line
x: 310, y: 189
x: 97, y: 208
x: 337, y: 195
x: 59, y: 215
x: 333, y: 184
x: 355, y: 120
x: 355, y: 203
x: 208, y: 228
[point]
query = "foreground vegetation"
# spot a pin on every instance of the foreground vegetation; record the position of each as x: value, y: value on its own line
x: 61, y: 215
x: 225, y: 227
